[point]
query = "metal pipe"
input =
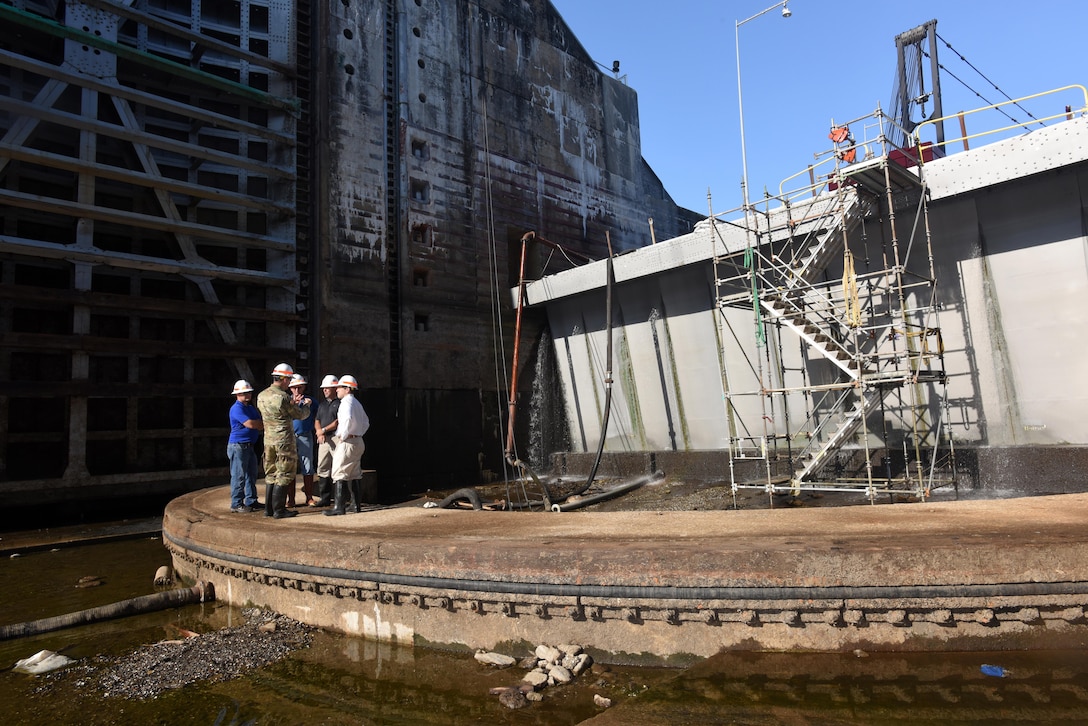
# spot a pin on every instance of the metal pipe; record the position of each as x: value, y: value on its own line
x: 529, y: 236
x: 513, y: 401
x: 608, y: 494
x: 200, y: 592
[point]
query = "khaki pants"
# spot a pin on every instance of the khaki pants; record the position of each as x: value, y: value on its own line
x: 346, y: 459
x: 324, y: 457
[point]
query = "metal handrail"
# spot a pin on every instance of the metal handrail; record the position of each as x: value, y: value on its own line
x: 1020, y: 124
x: 831, y: 156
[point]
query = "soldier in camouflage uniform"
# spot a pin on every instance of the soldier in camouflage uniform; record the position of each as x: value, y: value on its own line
x: 278, y: 410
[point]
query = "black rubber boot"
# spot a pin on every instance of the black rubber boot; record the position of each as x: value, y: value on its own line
x: 280, y: 510
x: 324, y: 491
x: 341, y: 492
x: 352, y: 499
x: 357, y: 494
x: 268, y: 504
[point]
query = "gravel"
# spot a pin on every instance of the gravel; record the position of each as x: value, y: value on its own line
x: 167, y: 665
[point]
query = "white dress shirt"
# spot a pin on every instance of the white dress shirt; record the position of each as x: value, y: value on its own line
x: 351, y: 419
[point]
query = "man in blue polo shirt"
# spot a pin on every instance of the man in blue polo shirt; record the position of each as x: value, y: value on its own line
x: 245, y: 431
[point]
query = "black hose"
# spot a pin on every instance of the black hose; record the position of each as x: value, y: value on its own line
x: 607, y: 378
x: 652, y: 592
x: 467, y: 494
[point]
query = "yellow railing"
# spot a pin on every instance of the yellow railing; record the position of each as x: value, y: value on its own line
x: 1018, y: 125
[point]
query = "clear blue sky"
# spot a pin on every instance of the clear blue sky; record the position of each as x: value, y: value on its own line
x: 829, y: 60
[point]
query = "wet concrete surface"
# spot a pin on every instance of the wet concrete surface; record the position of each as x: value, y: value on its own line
x: 34, y: 540
x: 664, y: 582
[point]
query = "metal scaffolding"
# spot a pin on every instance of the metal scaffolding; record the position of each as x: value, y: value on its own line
x: 835, y: 375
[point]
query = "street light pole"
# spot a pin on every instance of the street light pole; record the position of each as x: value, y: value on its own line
x: 740, y: 101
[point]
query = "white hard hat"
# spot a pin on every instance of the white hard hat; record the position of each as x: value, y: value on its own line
x: 298, y: 380
x: 283, y: 370
x: 329, y: 382
x: 348, y: 381
x: 242, y: 386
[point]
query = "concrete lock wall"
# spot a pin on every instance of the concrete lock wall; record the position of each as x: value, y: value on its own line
x: 455, y: 128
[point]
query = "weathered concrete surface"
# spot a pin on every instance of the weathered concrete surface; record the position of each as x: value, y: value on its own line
x: 1009, y: 573
x: 33, y: 540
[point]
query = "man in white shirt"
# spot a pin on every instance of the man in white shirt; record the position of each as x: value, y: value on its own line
x: 351, y: 423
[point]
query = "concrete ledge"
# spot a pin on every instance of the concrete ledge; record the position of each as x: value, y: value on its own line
x: 657, y: 585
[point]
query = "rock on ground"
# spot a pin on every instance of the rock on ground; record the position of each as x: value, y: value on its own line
x: 167, y: 665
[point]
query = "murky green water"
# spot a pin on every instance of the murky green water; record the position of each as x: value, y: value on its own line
x: 349, y: 680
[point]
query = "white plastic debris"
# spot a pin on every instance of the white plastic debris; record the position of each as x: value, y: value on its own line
x: 42, y: 662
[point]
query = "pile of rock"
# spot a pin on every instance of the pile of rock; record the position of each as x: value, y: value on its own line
x: 220, y: 655
x: 548, y: 666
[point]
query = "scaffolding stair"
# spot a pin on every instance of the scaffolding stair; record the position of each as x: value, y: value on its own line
x: 817, y: 454
x: 829, y: 240
x: 784, y: 276
x: 809, y: 330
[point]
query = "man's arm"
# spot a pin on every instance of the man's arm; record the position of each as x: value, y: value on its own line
x: 300, y: 411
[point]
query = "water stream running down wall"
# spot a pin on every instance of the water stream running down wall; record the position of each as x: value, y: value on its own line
x: 339, y: 679
x: 547, y: 416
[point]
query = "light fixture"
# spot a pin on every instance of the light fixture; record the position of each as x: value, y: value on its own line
x: 786, y: 12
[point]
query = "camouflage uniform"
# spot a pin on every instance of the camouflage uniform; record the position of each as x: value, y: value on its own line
x: 280, y: 455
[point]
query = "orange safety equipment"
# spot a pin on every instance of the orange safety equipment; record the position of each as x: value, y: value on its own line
x: 349, y: 382
x: 283, y: 370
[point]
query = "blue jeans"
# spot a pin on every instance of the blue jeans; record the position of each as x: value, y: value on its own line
x: 304, y: 443
x: 243, y: 474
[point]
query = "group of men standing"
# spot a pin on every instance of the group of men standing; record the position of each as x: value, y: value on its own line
x: 290, y: 425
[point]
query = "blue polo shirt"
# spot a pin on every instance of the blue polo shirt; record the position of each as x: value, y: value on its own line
x: 305, y: 427
x: 239, y: 414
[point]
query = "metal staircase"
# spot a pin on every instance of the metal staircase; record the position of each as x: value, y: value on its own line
x: 869, y: 330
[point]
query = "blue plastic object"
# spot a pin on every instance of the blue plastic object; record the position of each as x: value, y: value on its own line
x: 993, y: 670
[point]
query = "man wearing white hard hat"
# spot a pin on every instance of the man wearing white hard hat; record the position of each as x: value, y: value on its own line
x: 245, y: 433
x: 304, y: 443
x: 324, y: 427
x: 279, y: 409
x: 351, y: 423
